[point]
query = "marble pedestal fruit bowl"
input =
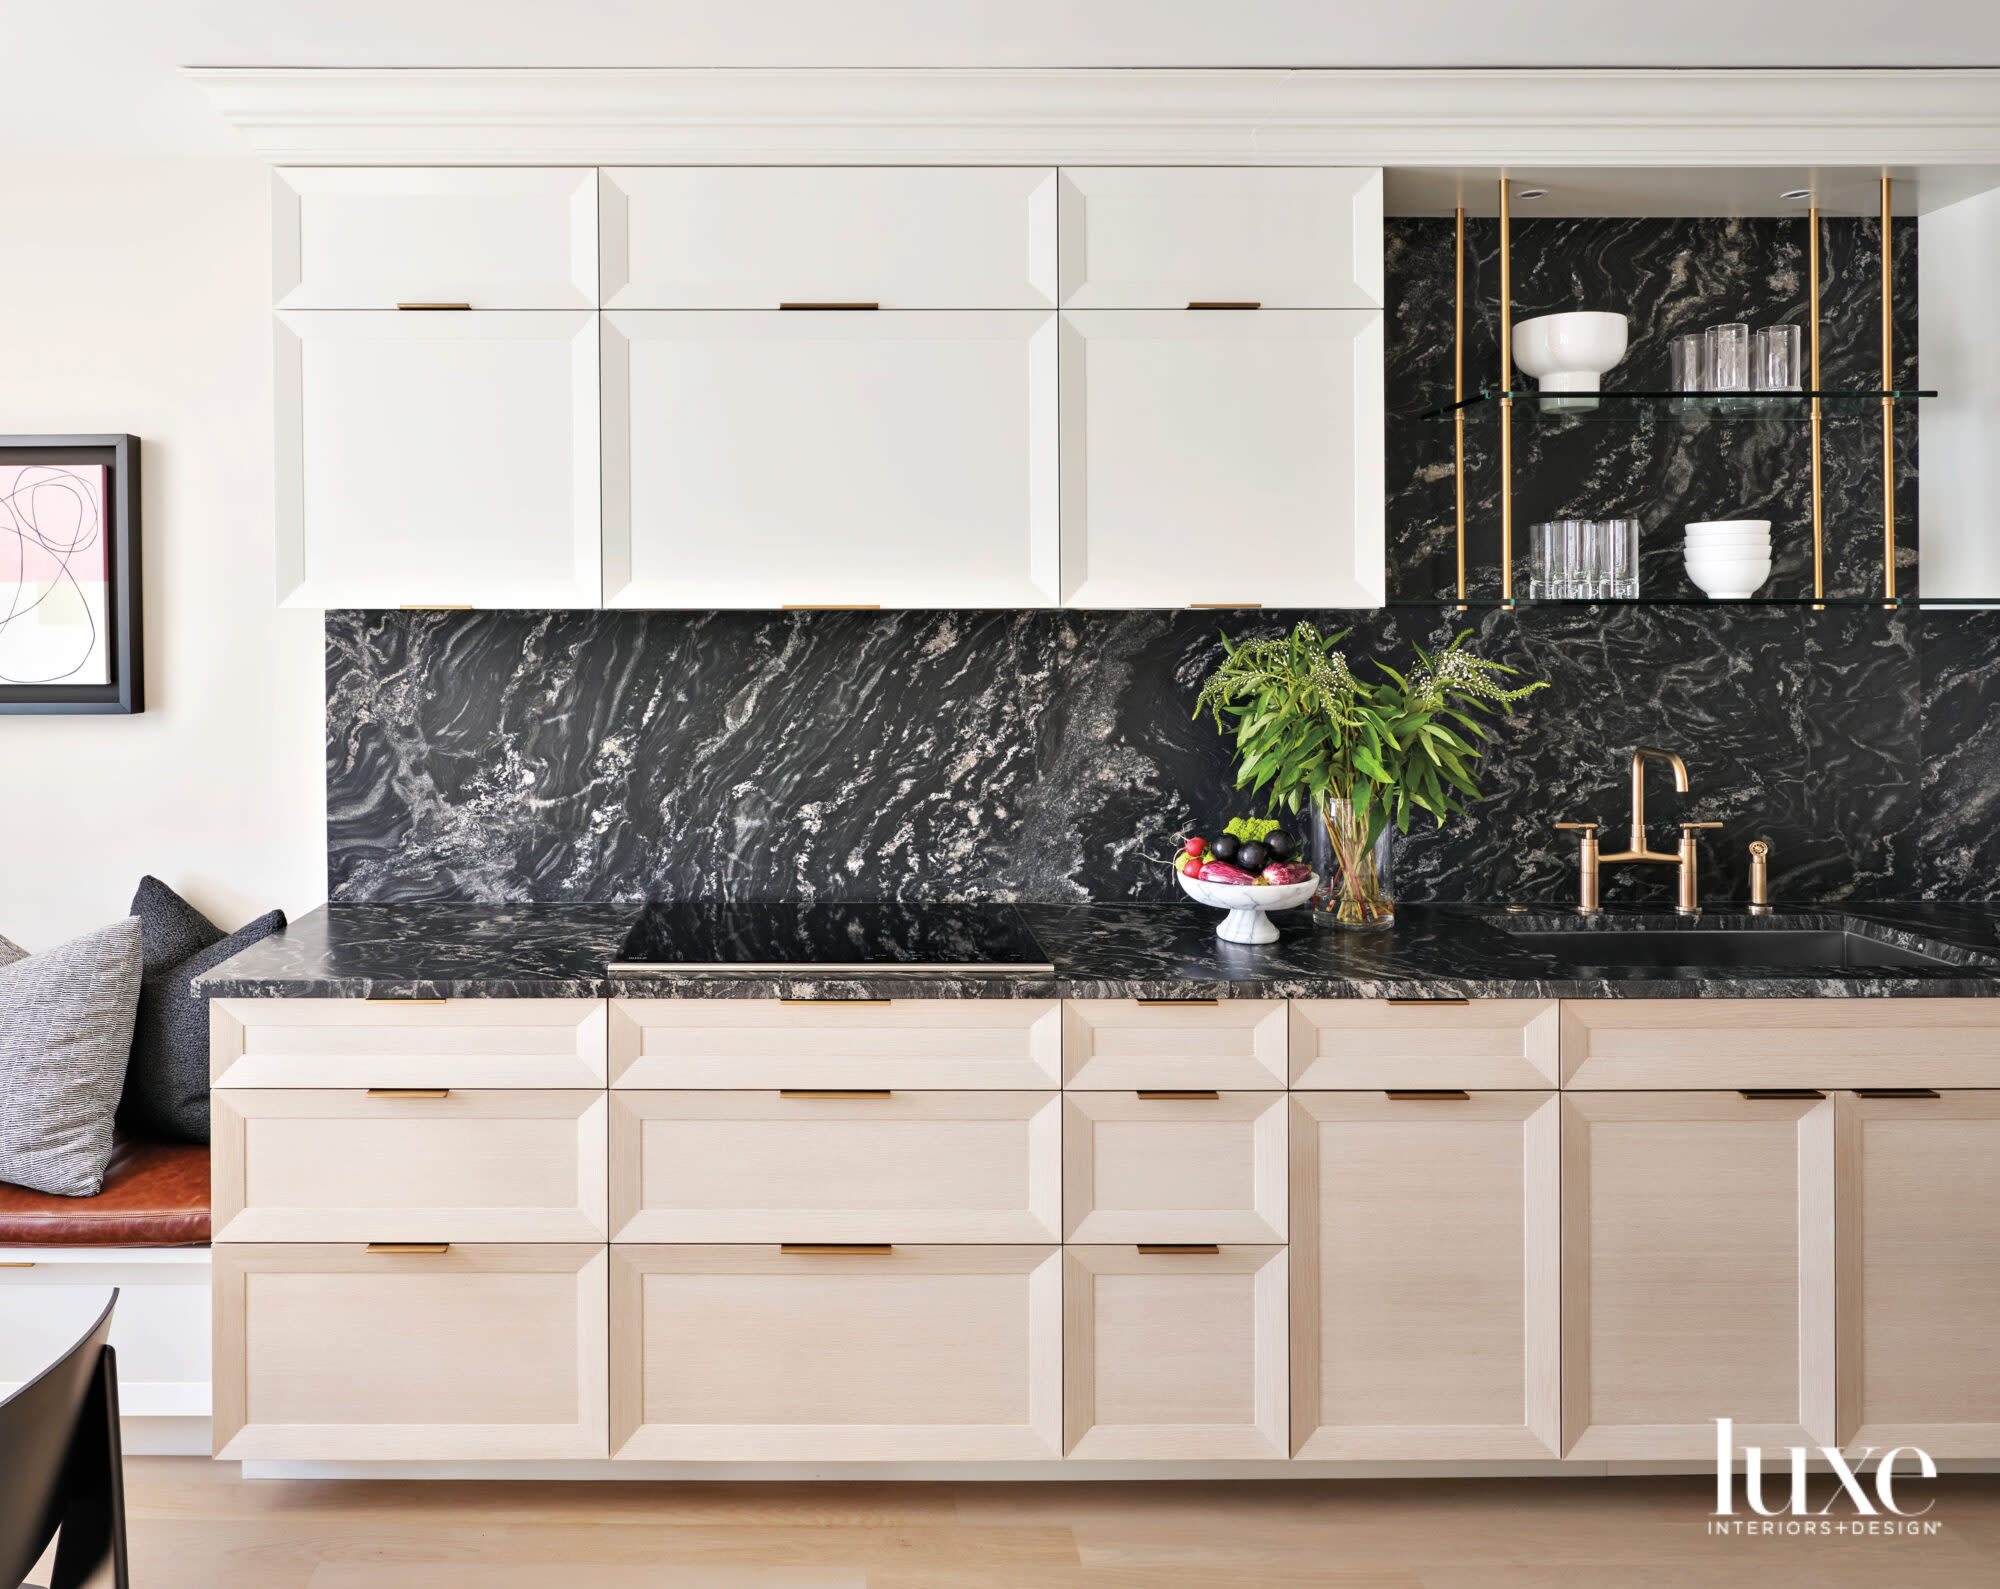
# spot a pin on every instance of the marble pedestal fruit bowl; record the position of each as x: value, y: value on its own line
x: 1245, y: 877
x: 1569, y: 352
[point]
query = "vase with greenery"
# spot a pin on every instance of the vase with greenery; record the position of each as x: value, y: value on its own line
x: 1365, y: 756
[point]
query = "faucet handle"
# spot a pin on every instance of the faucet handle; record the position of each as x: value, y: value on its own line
x: 1588, y: 827
x: 1689, y: 827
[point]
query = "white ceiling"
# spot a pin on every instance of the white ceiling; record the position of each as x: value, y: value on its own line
x: 99, y: 76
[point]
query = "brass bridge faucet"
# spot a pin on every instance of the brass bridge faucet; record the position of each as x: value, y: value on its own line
x: 1688, y: 903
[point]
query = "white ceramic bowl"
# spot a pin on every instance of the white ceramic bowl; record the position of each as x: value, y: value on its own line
x: 1569, y: 352
x: 1728, y: 578
x: 1246, y: 904
x: 1718, y: 526
x: 1722, y: 538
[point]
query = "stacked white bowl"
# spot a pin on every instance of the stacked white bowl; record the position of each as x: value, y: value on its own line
x: 1729, y: 558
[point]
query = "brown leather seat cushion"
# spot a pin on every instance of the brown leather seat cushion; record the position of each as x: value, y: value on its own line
x: 155, y: 1195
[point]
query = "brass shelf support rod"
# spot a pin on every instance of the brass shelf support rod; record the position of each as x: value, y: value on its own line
x: 1818, y: 515
x: 1507, y: 398
x: 1888, y: 414
x: 1458, y: 394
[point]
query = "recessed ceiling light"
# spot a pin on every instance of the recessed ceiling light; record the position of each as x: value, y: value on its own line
x: 1532, y: 193
x: 1796, y: 193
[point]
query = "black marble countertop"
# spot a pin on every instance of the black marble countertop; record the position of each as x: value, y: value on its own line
x: 1103, y: 951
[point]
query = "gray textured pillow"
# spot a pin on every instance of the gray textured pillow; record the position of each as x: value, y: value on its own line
x: 10, y: 952
x: 65, y: 1035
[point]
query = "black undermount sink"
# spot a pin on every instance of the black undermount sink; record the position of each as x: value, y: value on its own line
x: 1787, y: 948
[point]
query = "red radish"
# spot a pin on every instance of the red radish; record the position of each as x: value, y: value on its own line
x: 1281, y: 872
x: 1223, y: 872
x: 1196, y: 847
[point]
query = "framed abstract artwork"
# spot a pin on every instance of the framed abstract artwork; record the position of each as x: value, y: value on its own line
x: 70, y: 635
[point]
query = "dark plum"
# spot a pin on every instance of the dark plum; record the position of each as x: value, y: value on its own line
x: 1226, y: 848
x: 1254, y: 856
x: 1281, y: 844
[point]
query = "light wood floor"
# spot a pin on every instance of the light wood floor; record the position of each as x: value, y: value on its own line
x: 195, y: 1525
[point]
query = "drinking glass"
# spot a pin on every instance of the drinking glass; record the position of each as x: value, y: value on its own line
x: 1731, y: 369
x: 1622, y: 559
x: 1777, y: 358
x: 1577, y: 557
x: 1544, y: 561
x: 1685, y: 363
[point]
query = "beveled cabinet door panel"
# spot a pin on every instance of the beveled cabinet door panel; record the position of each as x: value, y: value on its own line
x: 1222, y: 458
x: 475, y: 1353
x: 488, y: 238
x: 1117, y: 1045
x: 861, y: 1043
x: 406, y: 1043
x: 504, y: 1164
x: 1918, y: 1226
x: 1174, y: 1355
x: 1671, y: 1043
x: 1378, y: 1043
x: 1697, y: 1272
x: 897, y: 1166
x: 1424, y: 1276
x: 898, y: 237
x: 1153, y: 1167
x: 1162, y: 237
x: 759, y: 459
x: 437, y: 459
x: 910, y: 1354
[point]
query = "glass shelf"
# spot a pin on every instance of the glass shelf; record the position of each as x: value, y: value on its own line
x: 1885, y: 603
x: 1683, y: 408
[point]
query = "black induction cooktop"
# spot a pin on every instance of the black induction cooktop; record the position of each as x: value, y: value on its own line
x: 852, y: 940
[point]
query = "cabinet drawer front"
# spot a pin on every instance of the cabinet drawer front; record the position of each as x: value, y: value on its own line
x: 374, y: 238
x: 1698, y: 1272
x: 504, y: 1165
x: 759, y: 460
x: 924, y: 1043
x: 1377, y: 1044
x: 1162, y: 237
x: 438, y: 458
x: 1116, y: 1045
x: 482, y: 1352
x: 1425, y: 1321
x: 1174, y: 423
x: 762, y: 1166
x: 1193, y: 1169
x: 1716, y: 1043
x: 918, y: 1354
x: 1174, y: 1355
x: 396, y: 1043
x: 723, y: 237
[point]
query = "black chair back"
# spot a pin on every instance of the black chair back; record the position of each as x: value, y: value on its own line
x: 60, y: 1468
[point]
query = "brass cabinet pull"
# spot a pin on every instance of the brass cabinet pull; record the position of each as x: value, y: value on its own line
x: 435, y: 606
x: 15, y: 1264
x: 1896, y: 1092
x: 433, y: 306
x: 1223, y: 606
x: 1177, y: 1249
x: 393, y: 998
x: 1224, y: 303
x: 409, y: 1092
x: 843, y: 306
x: 1430, y: 1095
x: 833, y: 1092
x: 1779, y: 1092
x: 835, y: 1249
x: 831, y: 606
x: 836, y: 1001
x: 1421, y: 1003
x: 1168, y: 1097
x: 1180, y: 1003
x: 409, y: 1246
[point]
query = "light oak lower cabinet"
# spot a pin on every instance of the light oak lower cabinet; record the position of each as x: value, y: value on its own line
x: 484, y: 1352
x: 1424, y: 1276
x: 1174, y: 1354
x: 910, y: 1354
x: 1918, y: 1227
x: 859, y: 1167
x: 1698, y: 1250
x: 1174, y: 1167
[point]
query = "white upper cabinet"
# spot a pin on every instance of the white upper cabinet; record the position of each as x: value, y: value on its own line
x: 830, y: 459
x: 1168, y: 237
x: 1224, y: 459
x: 484, y: 239
x: 430, y: 459
x: 894, y: 237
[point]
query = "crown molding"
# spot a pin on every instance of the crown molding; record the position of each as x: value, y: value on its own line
x: 1278, y: 117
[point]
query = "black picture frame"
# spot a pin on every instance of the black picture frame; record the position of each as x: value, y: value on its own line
x: 126, y: 693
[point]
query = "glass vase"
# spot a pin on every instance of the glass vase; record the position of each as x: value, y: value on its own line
x: 1355, y: 877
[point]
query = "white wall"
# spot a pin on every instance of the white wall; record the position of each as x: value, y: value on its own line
x: 134, y: 297
x: 1958, y: 437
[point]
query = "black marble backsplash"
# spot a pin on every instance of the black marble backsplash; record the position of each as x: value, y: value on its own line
x: 1050, y: 756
